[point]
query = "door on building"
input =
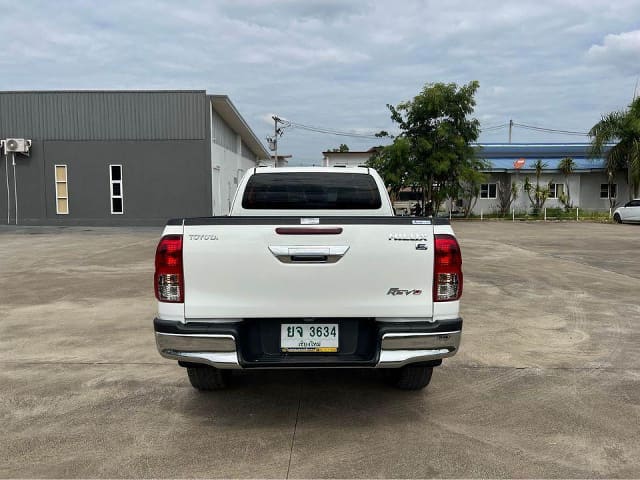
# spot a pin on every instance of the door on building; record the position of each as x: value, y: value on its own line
x: 216, y: 199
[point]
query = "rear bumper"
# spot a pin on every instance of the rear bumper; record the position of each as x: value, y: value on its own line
x: 220, y: 345
x: 217, y: 350
x: 401, y: 348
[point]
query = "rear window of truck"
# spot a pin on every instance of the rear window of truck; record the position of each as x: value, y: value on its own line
x: 309, y: 191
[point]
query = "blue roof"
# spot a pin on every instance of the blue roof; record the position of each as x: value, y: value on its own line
x: 502, y: 156
x: 582, y: 164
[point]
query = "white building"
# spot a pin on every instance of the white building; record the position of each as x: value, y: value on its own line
x: 587, y: 185
x: 347, y: 159
x: 234, y: 150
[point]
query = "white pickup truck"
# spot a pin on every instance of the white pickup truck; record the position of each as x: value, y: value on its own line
x: 311, y: 269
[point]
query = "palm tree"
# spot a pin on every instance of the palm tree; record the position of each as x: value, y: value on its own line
x: 622, y: 127
x: 566, y: 166
x: 537, y: 195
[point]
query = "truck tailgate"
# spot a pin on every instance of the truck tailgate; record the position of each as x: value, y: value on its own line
x: 280, y: 268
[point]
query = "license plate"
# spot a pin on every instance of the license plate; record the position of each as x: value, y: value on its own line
x: 313, y: 337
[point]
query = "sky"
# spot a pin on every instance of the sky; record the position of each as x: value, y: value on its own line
x: 337, y: 64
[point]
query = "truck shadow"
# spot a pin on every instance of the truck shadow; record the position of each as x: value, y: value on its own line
x: 335, y: 398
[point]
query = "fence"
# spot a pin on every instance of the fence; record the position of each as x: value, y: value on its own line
x: 546, y: 214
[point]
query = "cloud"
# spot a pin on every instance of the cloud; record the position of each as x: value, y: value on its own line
x: 336, y: 64
x: 621, y: 51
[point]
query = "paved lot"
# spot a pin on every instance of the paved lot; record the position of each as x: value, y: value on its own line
x: 547, y: 383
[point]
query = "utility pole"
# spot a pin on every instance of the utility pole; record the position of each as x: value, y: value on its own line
x: 275, y: 138
x: 273, y: 141
x: 510, y: 128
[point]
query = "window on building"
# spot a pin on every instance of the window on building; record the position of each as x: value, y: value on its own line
x: 488, y: 190
x: 62, y: 190
x: 115, y: 179
x: 604, y: 190
x: 556, y: 190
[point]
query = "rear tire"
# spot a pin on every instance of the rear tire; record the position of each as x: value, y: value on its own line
x: 412, y: 377
x: 616, y: 218
x: 208, y: 378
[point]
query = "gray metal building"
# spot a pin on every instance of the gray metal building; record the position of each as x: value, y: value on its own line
x: 121, y: 157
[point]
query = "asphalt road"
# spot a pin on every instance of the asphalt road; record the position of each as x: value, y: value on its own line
x: 547, y: 383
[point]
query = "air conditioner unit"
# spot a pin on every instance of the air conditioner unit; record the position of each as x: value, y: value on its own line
x: 17, y: 145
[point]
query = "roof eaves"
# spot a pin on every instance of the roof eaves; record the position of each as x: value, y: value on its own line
x: 232, y: 116
x: 38, y: 92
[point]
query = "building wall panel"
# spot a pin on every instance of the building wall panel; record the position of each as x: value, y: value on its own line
x: 104, y: 115
x: 161, y: 179
x: 590, y: 190
x: 247, y: 153
x: 222, y: 134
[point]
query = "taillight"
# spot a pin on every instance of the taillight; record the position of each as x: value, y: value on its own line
x: 169, y: 277
x: 447, y: 269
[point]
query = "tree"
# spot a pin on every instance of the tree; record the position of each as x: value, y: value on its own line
x: 439, y: 133
x: 342, y: 148
x: 611, y: 173
x: 391, y: 163
x: 537, y: 195
x: 506, y: 196
x: 566, y: 166
x: 622, y: 128
x: 467, y: 187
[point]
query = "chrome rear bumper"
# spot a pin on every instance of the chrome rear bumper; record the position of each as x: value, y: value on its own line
x: 216, y: 350
x: 220, y: 350
x: 399, y: 349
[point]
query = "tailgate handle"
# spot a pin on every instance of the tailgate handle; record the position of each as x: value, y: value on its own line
x: 298, y: 254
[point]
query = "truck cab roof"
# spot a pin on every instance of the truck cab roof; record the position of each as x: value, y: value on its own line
x: 311, y: 191
x: 363, y: 170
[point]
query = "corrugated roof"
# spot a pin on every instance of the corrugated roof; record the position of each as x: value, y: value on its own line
x: 503, y: 156
x: 582, y: 164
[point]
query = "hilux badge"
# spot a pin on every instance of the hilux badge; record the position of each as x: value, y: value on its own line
x: 409, y: 237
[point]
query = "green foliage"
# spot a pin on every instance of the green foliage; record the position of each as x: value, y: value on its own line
x: 567, y: 165
x: 552, y: 214
x: 537, y: 194
x: 467, y: 186
x: 565, y: 200
x: 391, y: 162
x: 437, y: 129
x: 506, y: 196
x: 623, y: 128
x: 342, y: 148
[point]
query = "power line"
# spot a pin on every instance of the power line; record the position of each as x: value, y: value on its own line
x: 343, y: 133
x: 329, y: 131
x: 550, y: 130
x: 362, y: 137
x: 491, y: 128
x: 494, y: 128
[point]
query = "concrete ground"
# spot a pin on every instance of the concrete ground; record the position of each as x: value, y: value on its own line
x: 547, y: 383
